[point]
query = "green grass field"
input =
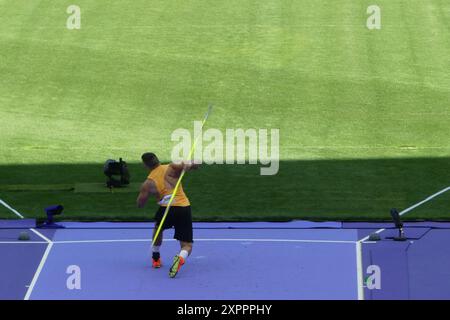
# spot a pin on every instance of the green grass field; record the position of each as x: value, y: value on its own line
x: 364, y: 115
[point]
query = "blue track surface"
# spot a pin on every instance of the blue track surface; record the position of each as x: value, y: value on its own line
x: 296, y: 260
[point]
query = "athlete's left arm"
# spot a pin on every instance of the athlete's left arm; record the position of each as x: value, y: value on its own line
x: 148, y: 188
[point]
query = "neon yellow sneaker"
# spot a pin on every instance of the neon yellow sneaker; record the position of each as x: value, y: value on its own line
x: 178, y: 261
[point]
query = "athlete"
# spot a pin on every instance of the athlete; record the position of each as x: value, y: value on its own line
x: 160, y: 183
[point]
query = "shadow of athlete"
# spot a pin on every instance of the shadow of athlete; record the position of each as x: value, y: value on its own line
x: 160, y: 183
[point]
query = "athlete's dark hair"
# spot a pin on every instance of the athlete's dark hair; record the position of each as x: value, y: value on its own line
x: 150, y: 159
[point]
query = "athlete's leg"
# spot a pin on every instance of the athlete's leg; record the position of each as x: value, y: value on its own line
x: 187, y: 248
x: 155, y: 248
x: 184, y: 234
x: 180, y: 259
x: 158, y: 241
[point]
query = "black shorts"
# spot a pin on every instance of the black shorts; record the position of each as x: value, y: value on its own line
x: 180, y: 218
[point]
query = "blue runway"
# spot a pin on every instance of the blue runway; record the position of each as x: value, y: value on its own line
x: 289, y: 261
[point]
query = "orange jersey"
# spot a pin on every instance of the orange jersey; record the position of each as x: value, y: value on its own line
x: 158, y: 176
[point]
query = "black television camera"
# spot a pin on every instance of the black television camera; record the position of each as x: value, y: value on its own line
x: 117, y: 173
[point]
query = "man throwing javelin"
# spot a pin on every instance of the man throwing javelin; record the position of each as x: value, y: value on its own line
x: 160, y: 183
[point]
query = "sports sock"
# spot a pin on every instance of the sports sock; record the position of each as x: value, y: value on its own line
x: 184, y: 254
x: 155, y: 252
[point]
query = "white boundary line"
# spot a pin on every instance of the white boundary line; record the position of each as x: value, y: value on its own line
x: 38, y: 271
x: 425, y: 200
x: 44, y: 257
x: 7, y: 206
x: 22, y: 217
x: 41, y: 264
x: 359, y: 271
x: 41, y: 235
x: 359, y: 264
x: 204, y: 240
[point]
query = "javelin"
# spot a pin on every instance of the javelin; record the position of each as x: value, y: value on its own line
x: 180, y: 178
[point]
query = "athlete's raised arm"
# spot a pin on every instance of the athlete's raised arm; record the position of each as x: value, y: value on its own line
x: 175, y: 169
x: 148, y: 189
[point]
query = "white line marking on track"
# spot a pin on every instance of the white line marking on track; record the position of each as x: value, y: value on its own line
x: 359, y: 271
x: 38, y: 271
x: 7, y: 206
x: 22, y: 217
x: 41, y: 235
x: 44, y: 257
x: 204, y: 240
x: 425, y: 200
x: 367, y: 237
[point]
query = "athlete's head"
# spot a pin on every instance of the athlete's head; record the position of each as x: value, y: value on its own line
x: 150, y: 160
